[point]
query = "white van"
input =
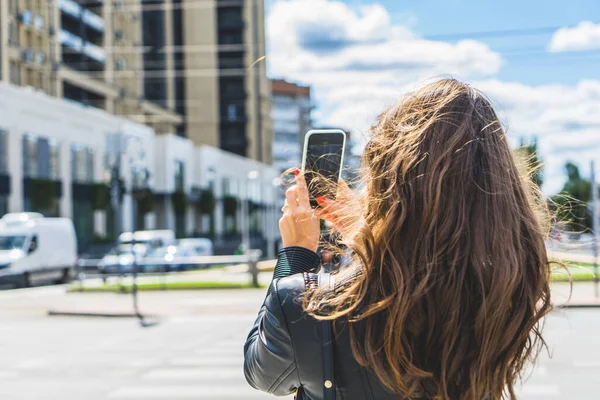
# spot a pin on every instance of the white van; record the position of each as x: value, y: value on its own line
x: 34, y: 248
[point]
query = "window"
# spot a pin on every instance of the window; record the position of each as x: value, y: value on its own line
x: 231, y: 112
x: 232, y: 87
x: 30, y: 156
x: 41, y: 157
x: 53, y: 160
x: 230, y: 38
x: 211, y: 178
x: 15, y: 73
x: 179, y: 176
x: 82, y: 164
x: 3, y: 151
x: 230, y: 17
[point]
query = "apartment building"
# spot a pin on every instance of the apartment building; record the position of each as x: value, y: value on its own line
x: 205, y: 61
x: 86, y: 51
x: 291, y: 108
x: 188, y: 67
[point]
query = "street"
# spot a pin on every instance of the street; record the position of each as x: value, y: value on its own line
x: 195, y: 350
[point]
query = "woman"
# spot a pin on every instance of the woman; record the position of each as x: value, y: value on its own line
x: 450, y: 279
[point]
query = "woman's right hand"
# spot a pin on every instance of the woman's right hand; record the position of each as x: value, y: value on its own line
x: 344, y: 212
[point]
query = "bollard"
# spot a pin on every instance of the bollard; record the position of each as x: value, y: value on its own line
x: 253, y: 267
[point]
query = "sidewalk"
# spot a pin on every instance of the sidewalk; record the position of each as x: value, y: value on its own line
x: 582, y: 294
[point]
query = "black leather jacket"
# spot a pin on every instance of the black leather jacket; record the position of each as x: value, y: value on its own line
x: 283, y: 349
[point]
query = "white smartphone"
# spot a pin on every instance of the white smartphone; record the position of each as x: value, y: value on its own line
x: 323, y: 157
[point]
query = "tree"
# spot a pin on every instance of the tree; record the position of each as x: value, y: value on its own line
x: 571, y: 204
x: 529, y: 151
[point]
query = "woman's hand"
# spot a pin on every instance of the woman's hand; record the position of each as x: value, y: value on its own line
x: 299, y: 225
x: 344, y: 212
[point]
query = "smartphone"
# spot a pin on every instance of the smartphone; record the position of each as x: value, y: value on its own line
x: 322, y: 161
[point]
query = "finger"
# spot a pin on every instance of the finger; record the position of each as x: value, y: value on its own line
x: 291, y: 195
x: 343, y: 190
x: 327, y: 205
x: 303, y: 198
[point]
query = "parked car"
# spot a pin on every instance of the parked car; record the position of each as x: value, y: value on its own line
x: 35, y: 248
x: 151, y: 238
x: 173, y: 258
x: 202, y: 246
x: 120, y: 259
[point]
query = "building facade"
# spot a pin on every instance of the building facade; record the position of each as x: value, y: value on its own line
x: 206, y: 61
x: 291, y: 108
x: 57, y: 157
x: 84, y: 51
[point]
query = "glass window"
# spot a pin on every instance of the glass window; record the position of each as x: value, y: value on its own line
x: 230, y: 187
x: 30, y: 156
x: 54, y: 160
x: 231, y: 112
x: 12, y: 242
x: 179, y: 176
x: 82, y: 164
x: 15, y: 75
x: 89, y: 154
x: 211, y: 178
x: 3, y: 151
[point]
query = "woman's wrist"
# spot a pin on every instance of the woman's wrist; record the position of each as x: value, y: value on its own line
x: 295, y: 259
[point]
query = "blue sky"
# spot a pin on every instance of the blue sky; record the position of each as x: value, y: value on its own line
x: 525, y: 54
x: 539, y: 61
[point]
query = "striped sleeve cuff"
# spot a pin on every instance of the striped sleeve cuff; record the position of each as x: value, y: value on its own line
x: 294, y: 260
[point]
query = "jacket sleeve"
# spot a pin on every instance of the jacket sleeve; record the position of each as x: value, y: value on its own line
x: 269, y: 361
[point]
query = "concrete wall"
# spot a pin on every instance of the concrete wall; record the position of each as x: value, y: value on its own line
x: 23, y: 112
x: 201, y: 64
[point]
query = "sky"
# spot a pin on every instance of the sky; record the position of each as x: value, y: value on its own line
x: 538, y: 61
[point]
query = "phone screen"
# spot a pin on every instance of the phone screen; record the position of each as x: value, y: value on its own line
x: 323, y: 164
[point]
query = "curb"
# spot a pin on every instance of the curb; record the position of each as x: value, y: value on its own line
x: 58, y: 313
x: 579, y: 305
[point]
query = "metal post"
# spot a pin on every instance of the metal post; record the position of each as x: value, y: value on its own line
x: 245, y: 221
x: 594, y: 212
x: 253, y: 268
x: 134, y: 272
x: 115, y: 194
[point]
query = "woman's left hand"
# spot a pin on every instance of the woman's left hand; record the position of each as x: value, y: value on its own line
x: 299, y: 224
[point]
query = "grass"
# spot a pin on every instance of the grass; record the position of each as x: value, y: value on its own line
x: 156, y: 286
x: 578, y: 274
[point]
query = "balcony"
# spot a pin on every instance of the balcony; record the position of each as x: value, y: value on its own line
x: 70, y: 40
x: 94, y: 52
x: 75, y: 10
x: 70, y: 7
x: 93, y: 20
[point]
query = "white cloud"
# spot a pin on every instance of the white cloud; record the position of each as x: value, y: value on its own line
x: 358, y: 63
x: 566, y: 120
x: 307, y: 36
x: 585, y: 36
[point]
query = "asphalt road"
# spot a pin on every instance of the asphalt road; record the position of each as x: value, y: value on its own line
x: 195, y: 350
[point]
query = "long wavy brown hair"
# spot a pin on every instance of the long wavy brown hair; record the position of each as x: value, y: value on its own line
x: 453, y: 275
